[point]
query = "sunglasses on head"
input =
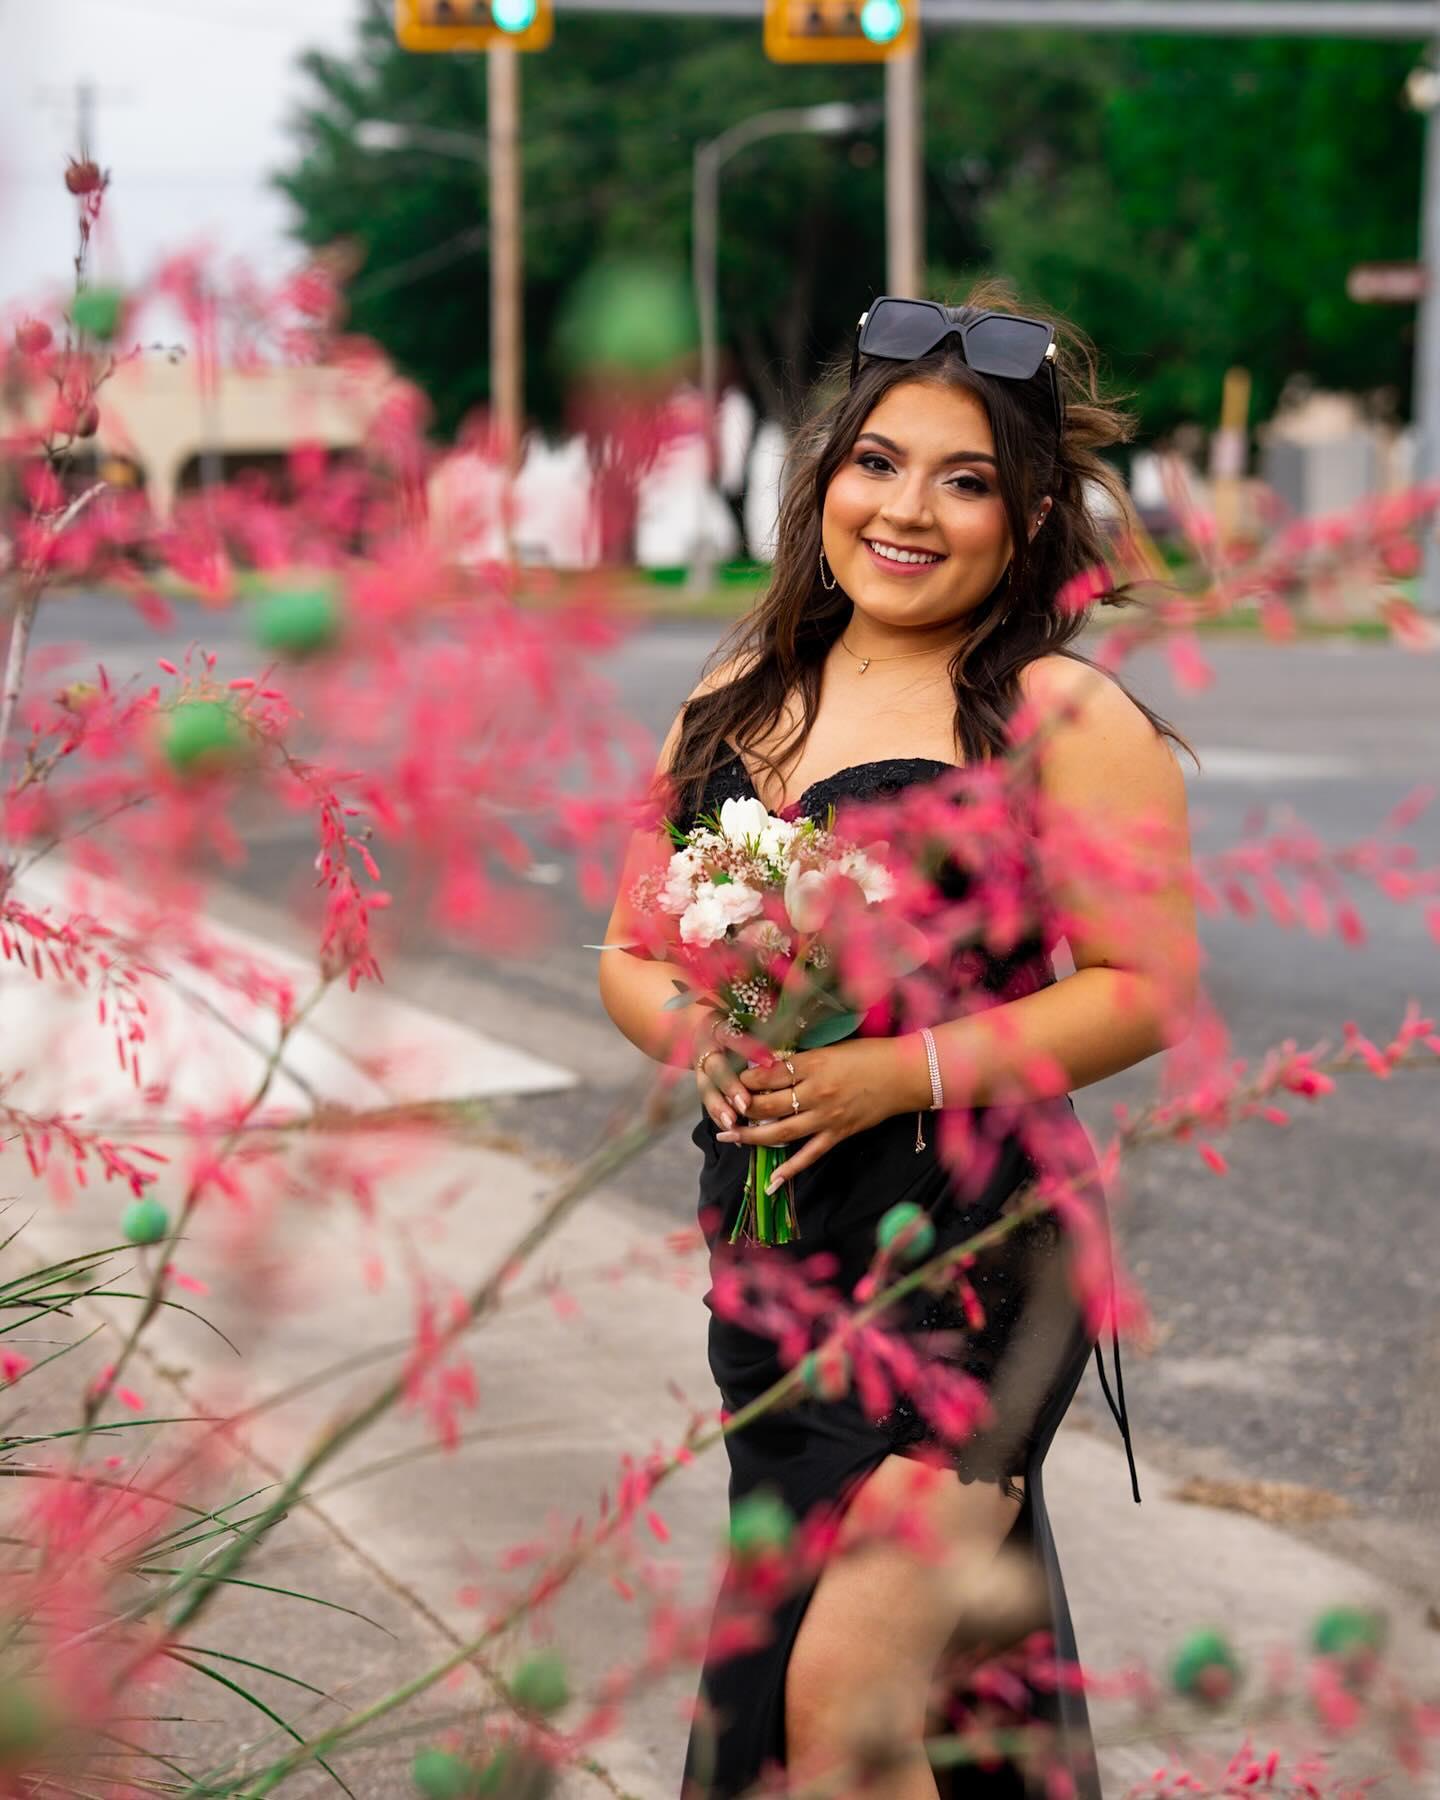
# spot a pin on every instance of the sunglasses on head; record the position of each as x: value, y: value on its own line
x: 993, y: 343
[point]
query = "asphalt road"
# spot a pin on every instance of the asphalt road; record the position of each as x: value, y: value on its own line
x: 1297, y: 1335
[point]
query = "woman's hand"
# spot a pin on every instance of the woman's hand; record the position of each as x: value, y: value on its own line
x: 842, y: 1089
x: 722, y: 1093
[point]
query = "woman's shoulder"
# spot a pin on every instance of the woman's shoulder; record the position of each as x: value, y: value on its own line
x: 728, y: 669
x: 1064, y: 690
x: 1094, y: 736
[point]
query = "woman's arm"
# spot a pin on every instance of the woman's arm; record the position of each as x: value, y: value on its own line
x: 634, y: 989
x: 1105, y: 769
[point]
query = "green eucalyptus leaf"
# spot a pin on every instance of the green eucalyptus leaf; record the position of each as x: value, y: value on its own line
x: 828, y: 1031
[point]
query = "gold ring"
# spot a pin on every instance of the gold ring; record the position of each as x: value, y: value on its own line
x: 794, y: 1101
x: 700, y: 1065
x: 791, y: 1067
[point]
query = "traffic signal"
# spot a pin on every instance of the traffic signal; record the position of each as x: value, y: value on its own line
x: 816, y: 31
x: 474, y: 24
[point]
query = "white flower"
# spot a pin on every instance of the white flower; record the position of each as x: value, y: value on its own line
x: 874, y: 879
x: 747, y: 822
x: 679, y: 888
x: 715, y: 908
x: 806, y: 897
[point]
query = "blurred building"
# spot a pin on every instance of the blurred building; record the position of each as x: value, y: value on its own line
x: 160, y: 425
x: 1321, y: 453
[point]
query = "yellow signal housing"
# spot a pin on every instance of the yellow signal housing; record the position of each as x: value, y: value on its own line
x: 840, y: 31
x: 472, y: 25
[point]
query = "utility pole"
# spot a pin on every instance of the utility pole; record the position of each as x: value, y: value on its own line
x: 1424, y: 92
x: 905, y: 174
x: 507, y: 273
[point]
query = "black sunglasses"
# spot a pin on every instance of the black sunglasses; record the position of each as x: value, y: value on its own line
x: 992, y: 343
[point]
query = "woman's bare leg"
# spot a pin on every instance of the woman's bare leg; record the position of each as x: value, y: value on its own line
x: 882, y: 1614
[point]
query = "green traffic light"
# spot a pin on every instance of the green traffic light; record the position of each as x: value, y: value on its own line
x: 513, y: 15
x: 882, y: 21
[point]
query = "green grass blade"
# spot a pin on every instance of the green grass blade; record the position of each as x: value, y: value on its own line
x: 259, y: 1705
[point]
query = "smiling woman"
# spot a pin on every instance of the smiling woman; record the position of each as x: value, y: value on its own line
x: 931, y: 518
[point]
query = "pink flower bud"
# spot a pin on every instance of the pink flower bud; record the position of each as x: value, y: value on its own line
x: 33, y: 337
x: 83, y: 176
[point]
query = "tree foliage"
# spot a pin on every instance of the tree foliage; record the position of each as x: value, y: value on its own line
x: 1192, y: 204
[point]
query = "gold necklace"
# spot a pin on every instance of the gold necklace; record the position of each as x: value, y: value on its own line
x: 865, y: 661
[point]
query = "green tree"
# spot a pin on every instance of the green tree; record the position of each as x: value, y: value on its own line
x: 1191, y: 203
x: 1233, y: 186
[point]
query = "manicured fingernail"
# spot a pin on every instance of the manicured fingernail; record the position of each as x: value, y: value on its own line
x: 743, y: 1102
x: 725, y: 1137
x: 727, y: 1119
x: 774, y: 1182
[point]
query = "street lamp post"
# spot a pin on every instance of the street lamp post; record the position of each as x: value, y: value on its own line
x: 500, y: 157
x: 710, y: 157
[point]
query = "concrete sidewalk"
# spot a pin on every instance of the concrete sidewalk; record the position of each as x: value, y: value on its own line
x: 561, y: 1400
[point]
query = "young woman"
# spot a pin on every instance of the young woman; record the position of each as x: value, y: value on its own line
x: 931, y: 517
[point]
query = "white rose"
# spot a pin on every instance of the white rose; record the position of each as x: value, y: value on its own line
x: 806, y: 898
x: 715, y: 908
x: 741, y: 820
x: 747, y: 822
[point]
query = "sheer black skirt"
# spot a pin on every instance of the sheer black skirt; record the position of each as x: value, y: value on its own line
x: 1023, y: 1338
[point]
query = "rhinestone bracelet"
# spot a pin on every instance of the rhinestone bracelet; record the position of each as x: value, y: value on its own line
x: 937, y: 1093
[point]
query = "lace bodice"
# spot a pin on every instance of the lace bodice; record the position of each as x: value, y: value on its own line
x: 730, y: 780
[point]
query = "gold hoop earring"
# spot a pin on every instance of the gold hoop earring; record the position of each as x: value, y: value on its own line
x: 832, y: 583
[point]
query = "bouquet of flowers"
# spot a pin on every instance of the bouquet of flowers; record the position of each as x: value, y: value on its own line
x: 742, y: 903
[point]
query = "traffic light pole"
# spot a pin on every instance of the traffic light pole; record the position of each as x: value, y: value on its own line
x: 904, y: 175
x: 507, y: 274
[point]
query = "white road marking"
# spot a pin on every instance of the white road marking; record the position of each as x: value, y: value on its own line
x: 1219, y: 763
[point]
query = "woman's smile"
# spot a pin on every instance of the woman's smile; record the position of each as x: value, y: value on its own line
x: 896, y: 559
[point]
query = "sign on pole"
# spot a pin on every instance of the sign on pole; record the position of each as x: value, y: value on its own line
x: 1396, y: 282
x: 474, y: 24
x: 840, y: 31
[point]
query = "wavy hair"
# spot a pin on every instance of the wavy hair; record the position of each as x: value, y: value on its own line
x: 780, y: 646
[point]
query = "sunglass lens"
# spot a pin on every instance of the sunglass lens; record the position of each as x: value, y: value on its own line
x: 902, y: 329
x: 1009, y: 347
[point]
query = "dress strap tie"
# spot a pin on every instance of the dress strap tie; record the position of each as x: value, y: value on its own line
x: 1118, y: 1412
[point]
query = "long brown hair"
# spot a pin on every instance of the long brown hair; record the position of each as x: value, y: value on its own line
x: 779, y: 647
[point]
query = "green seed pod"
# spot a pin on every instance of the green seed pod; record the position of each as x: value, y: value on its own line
x: 202, y: 735
x: 98, y: 310
x: 1206, y: 1668
x: 898, y: 1221
x: 827, y: 1376
x: 540, y: 1682
x: 440, y: 1775
x: 145, y: 1221
x: 1349, y: 1632
x: 298, y: 621
x: 513, y: 1773
x: 761, y: 1521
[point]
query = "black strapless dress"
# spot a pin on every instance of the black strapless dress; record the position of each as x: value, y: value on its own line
x: 1029, y: 1353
